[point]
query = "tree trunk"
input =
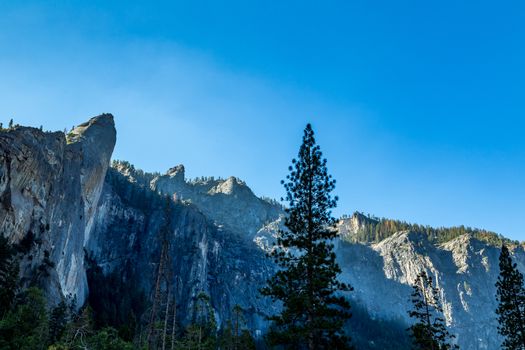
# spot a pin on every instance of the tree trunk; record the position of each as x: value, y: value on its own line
x: 427, y: 313
x: 157, y: 292
x: 309, y: 265
x: 200, y: 337
x: 166, y: 315
x: 174, y: 322
x: 236, y: 341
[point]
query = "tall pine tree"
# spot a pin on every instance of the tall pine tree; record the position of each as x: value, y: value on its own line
x: 511, y: 298
x: 429, y: 332
x: 8, y: 275
x: 314, y: 312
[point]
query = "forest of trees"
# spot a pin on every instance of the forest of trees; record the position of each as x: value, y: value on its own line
x: 377, y: 229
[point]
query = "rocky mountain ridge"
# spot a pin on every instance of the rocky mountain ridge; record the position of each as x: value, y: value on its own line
x: 60, y: 198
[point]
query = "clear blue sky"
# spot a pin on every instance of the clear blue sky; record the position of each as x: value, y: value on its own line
x: 419, y: 106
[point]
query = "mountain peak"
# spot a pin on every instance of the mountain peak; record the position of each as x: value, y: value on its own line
x: 177, y: 171
x: 232, y: 186
x: 100, y: 130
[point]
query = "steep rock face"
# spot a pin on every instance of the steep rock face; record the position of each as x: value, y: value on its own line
x: 96, y: 140
x: 49, y: 189
x: 204, y: 256
x: 58, y: 198
x: 230, y: 203
x: 348, y: 227
x: 464, y: 270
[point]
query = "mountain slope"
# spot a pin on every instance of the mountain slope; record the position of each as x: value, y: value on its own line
x: 204, y: 256
x: 464, y: 269
x: 59, y: 199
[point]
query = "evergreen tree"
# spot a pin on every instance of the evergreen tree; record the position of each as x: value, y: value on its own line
x: 163, y: 280
x: 26, y: 326
x: 227, y: 340
x: 313, y: 313
x: 57, y: 322
x: 201, y: 333
x: 235, y: 336
x: 11, y: 123
x: 511, y: 298
x: 108, y: 339
x: 114, y: 299
x: 8, y: 276
x: 79, y: 330
x: 429, y: 332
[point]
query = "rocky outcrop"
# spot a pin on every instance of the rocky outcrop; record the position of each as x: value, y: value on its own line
x: 58, y: 199
x: 203, y: 255
x: 464, y: 270
x: 350, y: 226
x: 230, y: 203
x: 50, y: 184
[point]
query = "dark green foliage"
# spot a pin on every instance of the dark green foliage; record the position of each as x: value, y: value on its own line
x: 10, y: 123
x: 429, y: 332
x: 115, y: 299
x: 108, y: 339
x: 43, y: 269
x: 80, y: 334
x: 376, y: 334
x: 26, y: 326
x: 201, y: 332
x: 29, y: 326
x: 242, y: 341
x: 8, y: 276
x: 58, y: 319
x: 273, y: 202
x: 511, y: 298
x: 26, y: 244
x: 377, y: 229
x: 78, y: 331
x: 235, y: 336
x: 206, y: 179
x: 314, y: 312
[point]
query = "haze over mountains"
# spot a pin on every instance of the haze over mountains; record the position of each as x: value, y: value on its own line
x: 60, y: 195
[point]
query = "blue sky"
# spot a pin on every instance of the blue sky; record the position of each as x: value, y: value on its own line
x: 418, y: 106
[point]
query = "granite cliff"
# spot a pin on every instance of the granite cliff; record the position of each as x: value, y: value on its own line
x: 50, y: 184
x: 464, y: 269
x: 61, y: 202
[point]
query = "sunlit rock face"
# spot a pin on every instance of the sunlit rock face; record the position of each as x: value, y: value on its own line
x: 230, y: 203
x: 50, y: 185
x: 205, y: 255
x: 464, y: 270
x: 58, y: 198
